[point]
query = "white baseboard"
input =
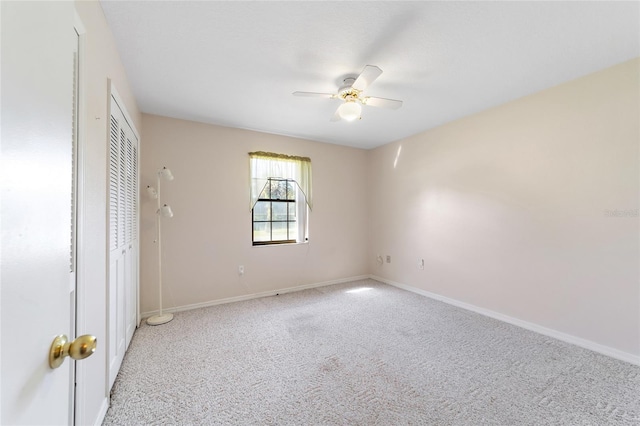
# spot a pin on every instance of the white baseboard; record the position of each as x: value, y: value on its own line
x: 568, y: 338
x: 254, y: 296
x: 103, y: 412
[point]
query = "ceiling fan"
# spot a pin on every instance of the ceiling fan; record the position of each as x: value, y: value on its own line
x: 351, y: 95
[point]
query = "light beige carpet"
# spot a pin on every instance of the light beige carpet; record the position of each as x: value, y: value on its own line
x: 363, y: 353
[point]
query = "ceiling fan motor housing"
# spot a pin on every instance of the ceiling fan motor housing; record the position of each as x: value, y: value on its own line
x: 347, y: 92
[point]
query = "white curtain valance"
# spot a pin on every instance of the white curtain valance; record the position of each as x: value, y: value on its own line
x: 265, y: 165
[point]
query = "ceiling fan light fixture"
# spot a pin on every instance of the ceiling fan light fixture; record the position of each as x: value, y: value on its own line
x: 349, y: 111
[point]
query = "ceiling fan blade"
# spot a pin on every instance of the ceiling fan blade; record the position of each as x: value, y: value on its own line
x: 366, y: 77
x: 314, y: 95
x: 336, y: 116
x: 382, y: 102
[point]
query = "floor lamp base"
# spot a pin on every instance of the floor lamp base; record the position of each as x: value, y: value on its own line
x: 159, y: 319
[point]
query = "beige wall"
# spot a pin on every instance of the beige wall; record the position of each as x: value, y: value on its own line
x: 210, y: 233
x: 100, y: 62
x: 507, y: 208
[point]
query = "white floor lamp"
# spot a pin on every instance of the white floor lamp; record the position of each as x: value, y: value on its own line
x: 162, y: 211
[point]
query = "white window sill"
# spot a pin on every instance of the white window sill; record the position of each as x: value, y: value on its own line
x: 281, y: 245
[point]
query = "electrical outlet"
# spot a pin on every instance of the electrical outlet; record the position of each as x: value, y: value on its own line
x: 420, y: 263
x: 241, y: 270
x: 388, y: 259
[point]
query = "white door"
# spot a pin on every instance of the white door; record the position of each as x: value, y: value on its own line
x: 123, y: 233
x: 37, y: 299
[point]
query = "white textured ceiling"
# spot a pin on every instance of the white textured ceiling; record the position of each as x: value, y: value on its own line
x: 236, y: 63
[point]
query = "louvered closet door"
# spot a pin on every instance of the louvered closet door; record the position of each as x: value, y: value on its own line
x: 131, y: 299
x: 123, y: 236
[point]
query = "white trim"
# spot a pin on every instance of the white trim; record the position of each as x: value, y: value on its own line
x: 118, y: 99
x: 568, y: 338
x: 137, y: 239
x: 81, y: 315
x: 255, y: 295
x: 78, y: 24
x: 102, y: 412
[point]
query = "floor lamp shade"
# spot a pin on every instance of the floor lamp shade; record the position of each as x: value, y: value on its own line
x: 166, y: 173
x: 166, y: 211
x: 162, y: 211
x: 152, y: 192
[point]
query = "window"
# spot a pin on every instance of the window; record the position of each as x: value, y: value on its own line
x: 274, y: 214
x: 280, y: 198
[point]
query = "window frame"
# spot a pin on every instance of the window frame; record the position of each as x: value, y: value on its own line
x: 271, y: 221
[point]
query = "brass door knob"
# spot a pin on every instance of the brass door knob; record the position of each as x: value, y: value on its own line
x: 80, y: 348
